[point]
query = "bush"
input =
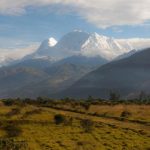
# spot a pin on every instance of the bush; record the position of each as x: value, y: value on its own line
x: 68, y: 121
x: 86, y: 106
x: 59, y: 119
x: 87, y: 125
x: 8, y: 102
x: 14, y: 111
x: 32, y: 112
x: 12, y: 131
x: 125, y: 114
x: 114, y: 96
x: 11, y: 144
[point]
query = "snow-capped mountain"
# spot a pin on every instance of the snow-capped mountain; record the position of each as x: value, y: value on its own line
x: 82, y: 43
x: 106, y: 47
x: 79, y: 43
x: 43, y: 51
x: 69, y: 45
x: 46, y: 44
x: 52, y: 42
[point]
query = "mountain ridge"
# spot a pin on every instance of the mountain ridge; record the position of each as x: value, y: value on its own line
x: 74, y: 43
x: 82, y: 43
x: 128, y: 77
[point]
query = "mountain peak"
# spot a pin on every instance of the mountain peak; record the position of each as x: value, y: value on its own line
x: 80, y: 42
x: 106, y: 47
x: 97, y: 36
x: 52, y: 42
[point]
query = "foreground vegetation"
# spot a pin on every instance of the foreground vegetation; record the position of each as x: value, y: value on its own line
x: 45, y: 124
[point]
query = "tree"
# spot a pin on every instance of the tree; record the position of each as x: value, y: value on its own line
x: 90, y: 98
x: 114, y: 96
x: 142, y: 96
x: 87, y: 125
x: 59, y: 119
x: 86, y: 105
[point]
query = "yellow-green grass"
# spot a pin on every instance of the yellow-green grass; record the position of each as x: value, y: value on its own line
x: 138, y: 112
x: 41, y: 133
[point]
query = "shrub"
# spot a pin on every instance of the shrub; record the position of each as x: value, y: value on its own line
x: 14, y: 111
x: 1, y: 103
x: 90, y: 99
x: 8, y: 102
x: 59, y: 119
x: 86, y: 106
x: 87, y: 125
x: 125, y: 114
x: 114, y: 96
x: 12, y: 131
x: 32, y: 112
x: 68, y: 121
x: 11, y: 144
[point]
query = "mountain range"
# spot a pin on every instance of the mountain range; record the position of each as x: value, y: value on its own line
x: 127, y: 77
x: 75, y: 43
x: 81, y: 43
x: 78, y: 65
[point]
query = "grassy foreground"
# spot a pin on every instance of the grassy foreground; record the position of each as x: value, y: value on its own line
x: 74, y: 126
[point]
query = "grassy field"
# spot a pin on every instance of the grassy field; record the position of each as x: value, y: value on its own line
x: 74, y: 127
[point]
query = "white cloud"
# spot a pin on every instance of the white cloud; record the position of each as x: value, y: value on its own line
x: 137, y: 43
x: 16, y: 53
x: 102, y: 13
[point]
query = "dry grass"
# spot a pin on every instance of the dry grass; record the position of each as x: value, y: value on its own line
x: 139, y: 112
x: 39, y: 131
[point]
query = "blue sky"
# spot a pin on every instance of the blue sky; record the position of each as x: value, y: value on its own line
x: 27, y: 24
x: 37, y: 26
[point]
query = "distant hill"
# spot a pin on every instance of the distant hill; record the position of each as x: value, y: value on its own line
x: 56, y: 66
x: 14, y: 78
x: 38, y: 63
x: 128, y: 77
x: 42, y: 77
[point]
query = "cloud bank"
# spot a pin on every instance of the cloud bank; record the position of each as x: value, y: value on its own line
x: 16, y: 53
x: 102, y: 13
x: 140, y: 43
